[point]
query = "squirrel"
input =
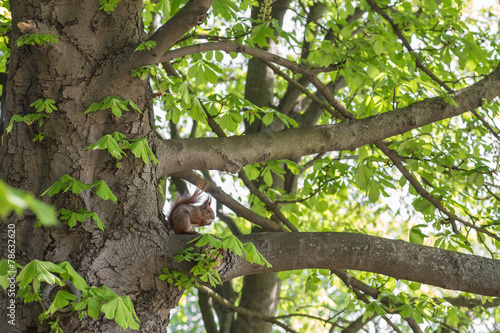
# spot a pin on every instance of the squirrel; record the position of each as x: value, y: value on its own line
x: 184, y: 216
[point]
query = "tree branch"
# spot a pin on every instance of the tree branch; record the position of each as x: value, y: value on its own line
x: 238, y: 48
x: 206, y: 312
x: 331, y: 250
x: 270, y: 205
x: 218, y: 130
x: 232, y: 153
x: 170, y: 32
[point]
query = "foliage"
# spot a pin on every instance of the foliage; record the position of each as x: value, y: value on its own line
x: 37, y: 39
x: 91, y: 302
x: 41, y: 105
x: 115, y: 103
x: 116, y: 142
x: 108, y: 6
x: 359, y: 191
x: 36, y: 273
x: 207, y: 262
x: 68, y: 183
x: 147, y: 45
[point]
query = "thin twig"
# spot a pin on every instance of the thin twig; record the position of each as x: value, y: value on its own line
x: 243, y: 311
x: 270, y: 204
x: 405, y: 42
x: 357, y: 285
x: 490, y: 192
x: 485, y: 123
x: 301, y: 88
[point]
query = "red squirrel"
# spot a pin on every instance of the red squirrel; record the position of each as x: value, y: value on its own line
x: 184, y: 216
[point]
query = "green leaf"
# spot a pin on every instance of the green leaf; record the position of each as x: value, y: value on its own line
x: 424, y: 206
x: 96, y: 218
x: 362, y: 176
x: 61, y: 300
x: 115, y: 103
x: 312, y: 283
x: 70, y: 274
x: 31, y: 39
x: 476, y: 179
x: 71, y: 217
x: 268, y: 118
x: 252, y: 171
x: 46, y: 214
x: 104, y: 191
x: 207, y: 239
x: 27, y: 119
x: 268, y: 177
x: 322, y: 205
x: 233, y: 243
x: 41, y: 271
x: 46, y: 105
x: 108, y: 142
x: 147, y: 45
x: 417, y: 236
x: 15, y: 118
x: 12, y: 199
x: 140, y: 148
x: 253, y: 256
x: 122, y: 311
x: 373, y: 191
x: 108, y: 6
x: 406, y: 310
x: 378, y: 309
x: 391, y: 284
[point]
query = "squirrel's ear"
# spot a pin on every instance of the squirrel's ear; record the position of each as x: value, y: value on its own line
x: 207, y: 202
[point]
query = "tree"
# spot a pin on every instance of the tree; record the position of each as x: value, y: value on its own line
x: 343, y: 108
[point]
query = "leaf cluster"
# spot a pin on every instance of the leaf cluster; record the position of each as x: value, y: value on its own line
x: 91, y: 302
x: 117, y: 142
x: 37, y: 39
x: 115, y: 103
x: 207, y: 261
x: 41, y: 105
x: 108, y: 6
x: 67, y: 183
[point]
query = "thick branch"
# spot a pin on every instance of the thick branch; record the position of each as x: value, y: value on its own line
x: 170, y: 32
x: 331, y: 250
x: 232, y: 153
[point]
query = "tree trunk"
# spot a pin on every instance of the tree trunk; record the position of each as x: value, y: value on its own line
x: 82, y: 68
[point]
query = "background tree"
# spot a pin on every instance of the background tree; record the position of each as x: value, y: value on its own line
x: 355, y: 126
